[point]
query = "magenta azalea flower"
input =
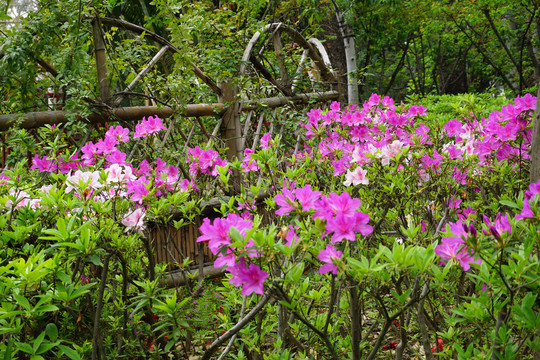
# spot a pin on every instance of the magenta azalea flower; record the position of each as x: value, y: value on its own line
x: 526, y: 212
x: 138, y: 189
x: 252, y: 279
x: 285, y: 201
x: 217, y: 234
x: 3, y: 179
x: 307, y: 197
x: 119, y: 133
x: 500, y: 227
x: 329, y: 256
x: 265, y: 141
x: 342, y: 228
x: 43, y: 165
x: 148, y: 127
x: 453, y: 248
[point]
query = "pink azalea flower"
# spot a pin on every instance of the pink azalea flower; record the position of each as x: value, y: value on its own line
x: 453, y: 203
x: 228, y: 260
x: 217, y: 234
x: 249, y: 164
x: 107, y: 145
x: 329, y: 256
x: 119, y: 133
x: 144, y: 168
x: 307, y: 197
x: 154, y: 124
x: 265, y: 141
x: 134, y: 220
x: 453, y: 128
x: 285, y: 201
x: 452, y: 248
x: 43, y: 165
x: 90, y: 153
x: 148, y: 127
x: 66, y: 166
x: 356, y: 177
x: 374, y: 100
x: 361, y: 224
x: 500, y: 227
x: 3, y: 179
x: 116, y: 157
x: 342, y: 227
x: 138, y: 189
x: 252, y: 280
x: 526, y: 212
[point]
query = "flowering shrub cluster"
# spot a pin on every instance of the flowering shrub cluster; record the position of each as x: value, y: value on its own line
x: 380, y: 212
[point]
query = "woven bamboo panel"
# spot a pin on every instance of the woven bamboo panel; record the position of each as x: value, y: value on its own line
x: 173, y: 246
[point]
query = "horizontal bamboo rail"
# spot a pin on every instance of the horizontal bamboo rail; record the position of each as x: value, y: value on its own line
x: 136, y: 113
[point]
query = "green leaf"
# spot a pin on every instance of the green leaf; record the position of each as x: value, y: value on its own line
x: 24, y: 347
x: 22, y: 301
x: 69, y: 352
x: 37, y: 342
x: 509, y: 203
x: 52, y: 331
x: 295, y: 273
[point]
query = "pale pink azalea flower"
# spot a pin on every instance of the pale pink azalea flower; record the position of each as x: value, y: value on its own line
x: 135, y: 220
x: 356, y: 177
x: 46, y: 188
x: 424, y: 176
x: 119, y: 174
x: 21, y: 199
x: 83, y: 180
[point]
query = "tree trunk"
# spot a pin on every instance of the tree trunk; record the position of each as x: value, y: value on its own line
x: 350, y: 56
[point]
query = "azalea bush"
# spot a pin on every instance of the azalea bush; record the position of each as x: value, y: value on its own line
x: 386, y: 234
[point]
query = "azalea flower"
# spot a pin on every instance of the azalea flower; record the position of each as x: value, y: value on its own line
x: 43, y: 164
x: 356, y: 177
x: 134, y: 220
x: 329, y: 256
x: 148, y: 127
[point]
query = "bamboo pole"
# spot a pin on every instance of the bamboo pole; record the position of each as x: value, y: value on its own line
x: 101, y: 61
x: 136, y: 113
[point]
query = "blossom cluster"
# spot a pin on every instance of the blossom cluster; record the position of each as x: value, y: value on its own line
x: 204, y: 161
x: 217, y: 235
x: 357, y: 138
x: 102, y: 173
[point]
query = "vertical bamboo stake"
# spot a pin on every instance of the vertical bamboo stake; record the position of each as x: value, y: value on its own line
x: 101, y: 61
x: 232, y: 134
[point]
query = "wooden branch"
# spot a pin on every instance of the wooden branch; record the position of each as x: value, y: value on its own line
x: 266, y: 74
x: 210, y: 350
x: 48, y: 67
x: 162, y: 41
x: 136, y: 113
x: 179, y: 278
x: 284, y: 75
x: 142, y: 74
x: 295, y: 99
